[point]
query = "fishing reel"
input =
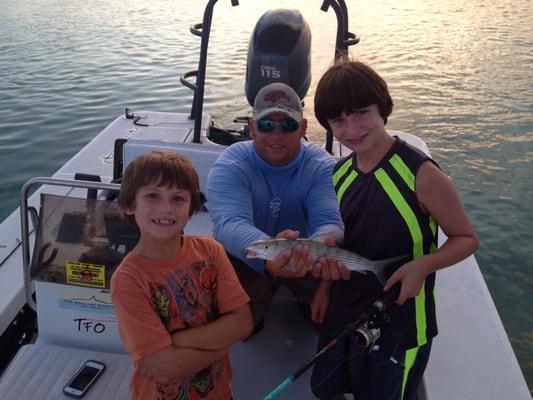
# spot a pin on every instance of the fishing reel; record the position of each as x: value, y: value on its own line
x: 367, y: 334
x: 374, y: 320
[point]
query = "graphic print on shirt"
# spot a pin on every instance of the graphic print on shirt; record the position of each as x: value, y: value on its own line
x: 187, y: 299
x: 203, y: 380
x: 171, y: 391
x: 208, y: 280
x: 160, y: 299
x: 275, y: 206
x: 201, y: 384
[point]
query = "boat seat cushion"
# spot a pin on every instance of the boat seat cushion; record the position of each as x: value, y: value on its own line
x: 201, y: 155
x: 40, y: 371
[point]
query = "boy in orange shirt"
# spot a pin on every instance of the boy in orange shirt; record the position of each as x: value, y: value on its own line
x: 178, y: 301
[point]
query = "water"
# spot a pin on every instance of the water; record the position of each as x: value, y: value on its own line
x: 460, y: 72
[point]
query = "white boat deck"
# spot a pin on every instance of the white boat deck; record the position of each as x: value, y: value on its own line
x: 471, y: 358
x: 41, y: 371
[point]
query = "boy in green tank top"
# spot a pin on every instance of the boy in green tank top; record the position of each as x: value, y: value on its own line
x: 392, y: 198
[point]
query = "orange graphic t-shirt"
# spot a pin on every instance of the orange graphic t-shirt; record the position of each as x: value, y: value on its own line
x: 154, y: 299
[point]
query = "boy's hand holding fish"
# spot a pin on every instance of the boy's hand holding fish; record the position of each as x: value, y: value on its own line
x: 328, y: 267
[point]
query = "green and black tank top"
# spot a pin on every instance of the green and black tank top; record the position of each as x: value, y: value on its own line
x: 383, y: 219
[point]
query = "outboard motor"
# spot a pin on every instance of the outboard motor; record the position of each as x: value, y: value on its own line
x: 279, y: 51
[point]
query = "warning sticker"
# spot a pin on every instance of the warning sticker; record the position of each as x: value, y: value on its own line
x: 85, y: 274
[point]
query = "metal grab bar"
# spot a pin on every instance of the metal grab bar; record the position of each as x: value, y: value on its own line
x: 343, y: 40
x: 24, y: 225
x: 196, y: 29
x: 185, y: 82
x: 344, y: 37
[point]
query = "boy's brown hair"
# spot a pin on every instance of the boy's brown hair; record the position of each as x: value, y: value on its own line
x: 164, y: 168
x: 349, y: 86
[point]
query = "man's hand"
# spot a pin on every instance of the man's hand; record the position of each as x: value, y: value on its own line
x: 327, y: 267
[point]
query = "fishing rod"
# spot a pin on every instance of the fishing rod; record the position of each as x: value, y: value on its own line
x: 365, y: 330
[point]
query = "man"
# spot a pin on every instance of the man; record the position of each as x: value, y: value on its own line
x: 276, y: 185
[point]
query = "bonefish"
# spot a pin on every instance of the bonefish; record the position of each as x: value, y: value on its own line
x: 268, y: 249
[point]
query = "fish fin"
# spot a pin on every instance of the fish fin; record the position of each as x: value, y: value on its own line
x: 381, y: 274
x: 380, y: 267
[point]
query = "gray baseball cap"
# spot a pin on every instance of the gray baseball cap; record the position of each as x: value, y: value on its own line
x: 277, y: 98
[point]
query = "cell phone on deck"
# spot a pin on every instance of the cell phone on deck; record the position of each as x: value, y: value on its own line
x: 84, y: 378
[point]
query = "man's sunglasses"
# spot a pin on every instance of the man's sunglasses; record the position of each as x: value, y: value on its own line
x: 287, y: 125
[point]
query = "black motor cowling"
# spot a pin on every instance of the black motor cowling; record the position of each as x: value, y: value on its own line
x: 279, y: 51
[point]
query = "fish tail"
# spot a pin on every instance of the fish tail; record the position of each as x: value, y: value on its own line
x: 380, y: 267
x: 380, y: 272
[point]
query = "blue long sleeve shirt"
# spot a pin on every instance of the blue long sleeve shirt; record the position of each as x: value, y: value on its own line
x: 249, y: 199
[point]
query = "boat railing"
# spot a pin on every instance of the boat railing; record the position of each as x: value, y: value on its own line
x: 24, y: 220
x: 344, y: 39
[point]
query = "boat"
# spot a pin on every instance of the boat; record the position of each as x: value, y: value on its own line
x: 53, y: 319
